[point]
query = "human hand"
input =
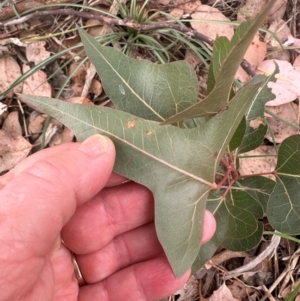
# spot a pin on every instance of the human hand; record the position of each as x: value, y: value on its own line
x: 58, y: 193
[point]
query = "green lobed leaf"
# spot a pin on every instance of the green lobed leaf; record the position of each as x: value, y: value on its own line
x: 253, y: 138
x: 255, y: 125
x: 238, y: 226
x: 219, y: 96
x: 283, y: 208
x: 238, y: 135
x: 178, y: 165
x: 140, y: 87
x: 260, y: 189
x: 221, y: 49
x: 244, y: 230
x: 237, y: 216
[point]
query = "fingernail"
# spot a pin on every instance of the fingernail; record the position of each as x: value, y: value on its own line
x: 95, y: 145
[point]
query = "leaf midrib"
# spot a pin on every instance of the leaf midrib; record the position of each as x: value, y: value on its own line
x: 179, y: 170
x: 126, y: 84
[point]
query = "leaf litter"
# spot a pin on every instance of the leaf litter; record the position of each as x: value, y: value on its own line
x: 14, y: 147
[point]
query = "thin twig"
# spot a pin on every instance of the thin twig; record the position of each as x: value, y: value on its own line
x: 7, y: 12
x: 111, y: 21
x: 125, y: 23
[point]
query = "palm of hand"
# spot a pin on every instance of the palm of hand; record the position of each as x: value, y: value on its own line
x: 114, y: 238
x: 111, y: 232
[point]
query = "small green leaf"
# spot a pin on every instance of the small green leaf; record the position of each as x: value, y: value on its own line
x: 140, y: 87
x: 244, y: 231
x: 259, y: 188
x: 255, y: 126
x: 221, y: 49
x: 219, y: 96
x: 283, y: 209
x: 237, y: 220
x: 238, y: 135
x: 253, y: 137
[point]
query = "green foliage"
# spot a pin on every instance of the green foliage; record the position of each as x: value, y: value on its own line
x: 178, y: 165
x: 156, y: 45
x: 159, y: 45
x: 189, y: 166
x: 141, y: 88
x: 136, y: 12
x: 224, y: 75
x: 261, y: 189
x: 255, y: 125
x: 283, y: 207
x: 293, y: 294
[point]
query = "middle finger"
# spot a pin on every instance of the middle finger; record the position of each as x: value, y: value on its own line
x: 112, y: 212
x: 135, y: 246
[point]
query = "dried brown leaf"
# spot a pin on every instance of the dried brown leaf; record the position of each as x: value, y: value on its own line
x: 10, y: 72
x: 36, y: 84
x: 36, y: 52
x: 281, y: 131
x: 67, y: 135
x: 36, y: 124
x: 240, y: 291
x: 278, y: 10
x: 13, y: 149
x: 255, y: 54
x: 177, y: 13
x: 254, y: 165
x: 80, y: 100
x: 163, y: 2
x: 284, y: 294
x: 250, y: 9
x: 192, y: 58
x: 222, y: 294
x: 61, y: 137
x: 282, y: 31
x: 12, y: 124
x: 95, y: 27
x: 253, y: 7
x: 286, y: 88
x: 211, y: 29
x: 96, y: 88
x: 296, y: 63
x: 78, y: 78
x: 188, y: 7
x: 261, y: 274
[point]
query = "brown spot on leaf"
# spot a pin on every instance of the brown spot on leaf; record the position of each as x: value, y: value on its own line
x: 149, y: 132
x: 130, y: 124
x: 255, y: 123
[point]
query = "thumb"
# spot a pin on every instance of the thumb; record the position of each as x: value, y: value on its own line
x: 39, y: 201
